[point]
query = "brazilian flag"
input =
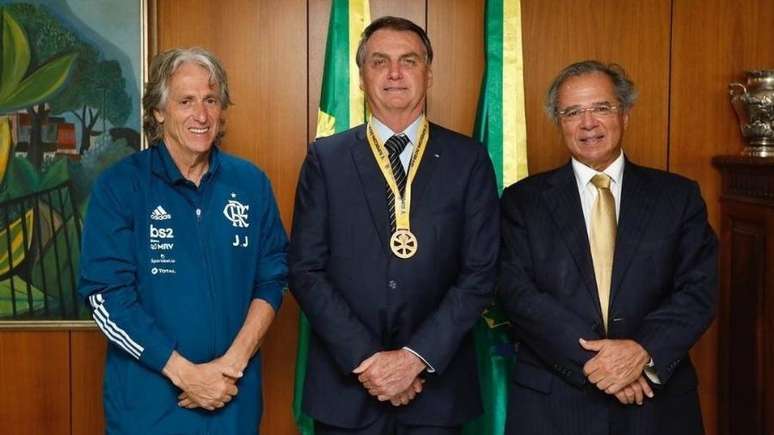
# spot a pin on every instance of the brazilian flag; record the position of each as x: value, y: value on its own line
x: 501, y: 127
x: 342, y: 106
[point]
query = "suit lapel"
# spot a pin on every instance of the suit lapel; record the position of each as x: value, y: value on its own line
x: 374, y: 186
x: 427, y: 166
x: 564, y: 203
x: 637, y: 199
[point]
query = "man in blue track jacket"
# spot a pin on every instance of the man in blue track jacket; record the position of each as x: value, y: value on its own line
x: 183, y: 264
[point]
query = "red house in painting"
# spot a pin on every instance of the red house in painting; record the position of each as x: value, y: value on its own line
x: 65, y: 139
x: 57, y: 134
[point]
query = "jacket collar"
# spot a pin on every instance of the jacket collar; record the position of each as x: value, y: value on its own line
x: 164, y: 167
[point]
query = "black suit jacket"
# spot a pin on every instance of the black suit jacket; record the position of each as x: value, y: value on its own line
x: 662, y: 296
x: 361, y: 299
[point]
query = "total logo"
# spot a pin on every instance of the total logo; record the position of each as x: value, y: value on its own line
x: 162, y: 270
x: 161, y: 233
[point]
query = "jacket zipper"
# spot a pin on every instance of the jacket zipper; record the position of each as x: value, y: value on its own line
x: 205, y: 254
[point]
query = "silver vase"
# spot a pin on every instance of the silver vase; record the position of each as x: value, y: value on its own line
x: 754, y: 105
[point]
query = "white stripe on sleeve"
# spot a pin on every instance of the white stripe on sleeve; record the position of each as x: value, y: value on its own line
x: 116, y: 334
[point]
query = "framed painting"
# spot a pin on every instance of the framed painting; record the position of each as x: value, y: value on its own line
x: 70, y: 85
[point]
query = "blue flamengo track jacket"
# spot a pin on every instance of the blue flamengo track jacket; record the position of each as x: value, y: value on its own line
x: 166, y: 265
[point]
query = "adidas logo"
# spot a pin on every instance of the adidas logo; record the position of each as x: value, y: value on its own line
x: 159, y: 214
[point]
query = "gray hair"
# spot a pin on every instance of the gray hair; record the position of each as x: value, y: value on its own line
x: 162, y: 68
x: 392, y: 23
x: 622, y: 85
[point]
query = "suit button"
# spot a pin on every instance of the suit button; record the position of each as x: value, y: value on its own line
x: 392, y: 284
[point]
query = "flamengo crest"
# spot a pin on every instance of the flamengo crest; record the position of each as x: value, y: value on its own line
x: 236, y: 212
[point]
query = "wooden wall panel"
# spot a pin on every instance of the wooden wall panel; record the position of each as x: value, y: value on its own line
x: 87, y: 359
x: 634, y: 34
x: 277, y: 115
x: 279, y: 119
x: 414, y: 10
x: 456, y: 31
x: 319, y: 15
x: 35, y: 386
x: 713, y: 42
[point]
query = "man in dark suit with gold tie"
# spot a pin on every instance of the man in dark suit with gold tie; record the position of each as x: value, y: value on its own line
x: 393, y: 255
x: 608, y: 272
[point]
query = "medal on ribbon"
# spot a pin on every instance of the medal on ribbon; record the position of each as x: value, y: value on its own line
x: 403, y: 243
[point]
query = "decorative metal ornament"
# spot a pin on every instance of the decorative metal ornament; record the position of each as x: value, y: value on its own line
x: 403, y: 243
x: 754, y: 105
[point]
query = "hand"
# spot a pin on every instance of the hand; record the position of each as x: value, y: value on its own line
x: 224, y: 362
x: 407, y: 396
x: 230, y: 363
x: 209, y: 386
x: 635, y: 392
x: 386, y: 374
x: 616, y: 365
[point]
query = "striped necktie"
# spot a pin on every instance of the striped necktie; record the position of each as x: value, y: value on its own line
x: 603, y: 229
x: 395, y: 145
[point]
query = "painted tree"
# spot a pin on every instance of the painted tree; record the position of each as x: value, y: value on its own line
x: 96, y: 93
x: 96, y: 87
x: 22, y: 86
x: 47, y: 40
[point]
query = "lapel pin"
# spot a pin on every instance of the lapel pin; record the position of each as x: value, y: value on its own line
x: 436, y: 155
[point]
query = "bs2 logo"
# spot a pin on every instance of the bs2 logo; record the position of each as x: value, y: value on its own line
x: 161, y: 233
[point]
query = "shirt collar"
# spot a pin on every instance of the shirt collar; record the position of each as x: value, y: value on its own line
x: 164, y: 166
x: 383, y: 132
x: 583, y: 173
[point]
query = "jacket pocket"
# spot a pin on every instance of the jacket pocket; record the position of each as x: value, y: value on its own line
x: 532, y: 377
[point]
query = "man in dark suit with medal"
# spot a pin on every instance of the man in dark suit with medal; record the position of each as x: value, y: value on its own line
x: 608, y: 274
x: 393, y: 255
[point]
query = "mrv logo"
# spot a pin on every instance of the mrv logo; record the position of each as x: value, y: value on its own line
x: 161, y: 233
x: 156, y: 246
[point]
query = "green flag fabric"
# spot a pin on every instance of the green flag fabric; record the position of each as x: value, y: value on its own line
x: 501, y: 127
x: 500, y: 121
x: 342, y: 103
x: 342, y: 106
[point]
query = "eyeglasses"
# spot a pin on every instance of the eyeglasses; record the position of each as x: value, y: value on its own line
x: 597, y: 110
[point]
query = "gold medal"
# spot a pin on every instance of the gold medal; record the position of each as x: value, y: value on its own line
x: 404, y: 244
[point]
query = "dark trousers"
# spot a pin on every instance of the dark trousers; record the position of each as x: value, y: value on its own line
x: 386, y: 425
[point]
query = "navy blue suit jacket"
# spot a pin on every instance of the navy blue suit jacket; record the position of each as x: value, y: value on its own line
x: 361, y: 299
x: 663, y: 295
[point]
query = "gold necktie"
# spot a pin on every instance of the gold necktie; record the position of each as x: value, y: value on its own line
x: 603, y: 228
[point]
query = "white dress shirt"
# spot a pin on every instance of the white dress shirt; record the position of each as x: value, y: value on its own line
x: 383, y: 133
